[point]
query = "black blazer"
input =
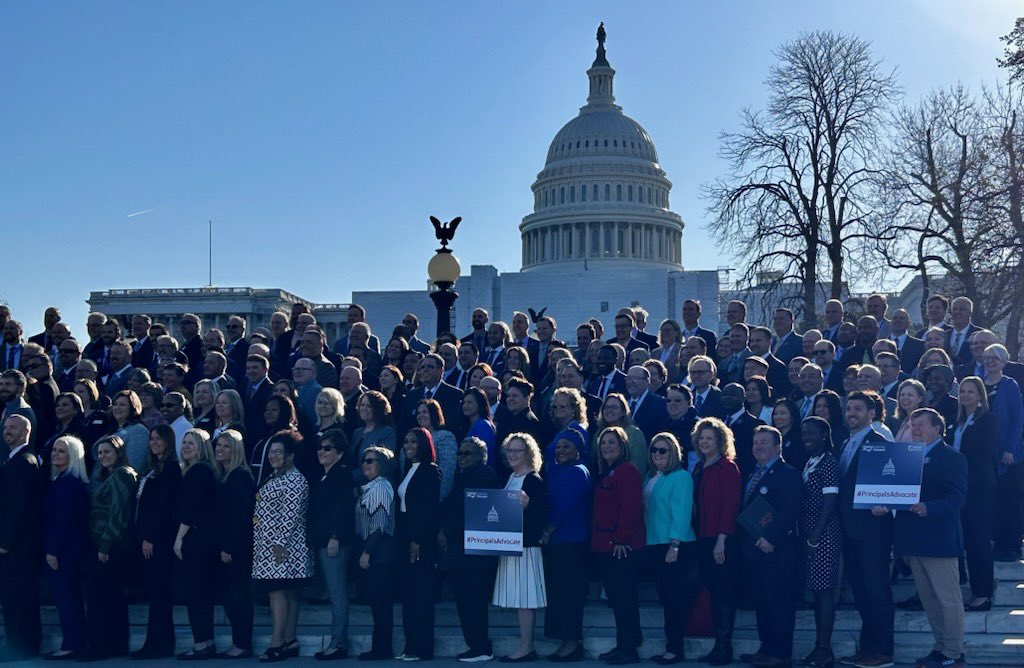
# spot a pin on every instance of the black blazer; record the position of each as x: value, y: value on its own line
x: 453, y: 509
x: 535, y: 515
x: 650, y: 340
x: 911, y: 352
x: 420, y: 521
x: 978, y: 446
x: 143, y: 354
x: 21, y: 491
x: 711, y: 341
x: 651, y: 416
x: 235, y: 502
x: 197, y: 493
x: 712, y: 403
x: 782, y: 487
x: 860, y: 524
x: 743, y: 434
x: 450, y: 399
x: 65, y: 520
x: 154, y: 514
x: 255, y: 426
x: 618, y: 385
x: 332, y: 507
x: 778, y: 376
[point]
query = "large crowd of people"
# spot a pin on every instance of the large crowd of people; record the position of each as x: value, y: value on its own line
x: 230, y: 467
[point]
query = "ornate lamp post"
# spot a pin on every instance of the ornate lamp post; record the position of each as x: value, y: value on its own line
x: 443, y: 270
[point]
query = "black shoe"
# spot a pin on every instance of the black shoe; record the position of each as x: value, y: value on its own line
x: 626, y: 656
x: 376, y: 656
x: 613, y: 652
x: 526, y: 658
x: 144, y: 653
x: 331, y: 654
x: 571, y: 657
x: 291, y: 648
x: 208, y: 652
x: 662, y: 661
x: 273, y: 655
x: 718, y: 657
x: 54, y: 656
x: 912, y: 603
x: 931, y: 657
x: 980, y: 607
x: 819, y: 657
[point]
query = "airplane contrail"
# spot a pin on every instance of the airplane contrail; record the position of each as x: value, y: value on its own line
x: 139, y: 213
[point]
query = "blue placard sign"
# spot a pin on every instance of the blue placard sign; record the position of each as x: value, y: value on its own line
x: 889, y: 474
x: 494, y: 522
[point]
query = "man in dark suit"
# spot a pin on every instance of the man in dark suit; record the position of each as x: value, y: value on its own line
x: 860, y: 352
x: 432, y: 387
x: 280, y: 343
x: 498, y: 339
x: 10, y: 351
x: 867, y: 543
x: 608, y: 379
x: 811, y: 381
x: 42, y: 394
x: 478, y: 337
x: 889, y: 366
x: 94, y: 327
x: 929, y: 537
x: 742, y: 424
x: 68, y: 355
x: 691, y: 326
x: 777, y: 374
x: 415, y: 343
x: 458, y: 375
x: 935, y: 312
x: 788, y: 343
x: 350, y: 384
x: 834, y: 314
x: 215, y: 365
x: 21, y: 487
x: 908, y: 348
x: 143, y: 351
x: 959, y: 336
x: 255, y: 394
x: 12, y: 400
x: 192, y: 346
x: 707, y: 398
x: 647, y: 408
x: 824, y: 356
x: 771, y: 555
x: 237, y: 347
x: 44, y: 338
x: 730, y: 369
x: 640, y: 316
x: 624, y: 324
x: 120, y: 362
x: 545, y: 328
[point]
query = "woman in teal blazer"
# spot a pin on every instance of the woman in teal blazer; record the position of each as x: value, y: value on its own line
x: 671, y: 541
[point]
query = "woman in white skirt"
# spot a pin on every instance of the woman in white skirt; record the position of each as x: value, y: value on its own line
x: 520, y: 581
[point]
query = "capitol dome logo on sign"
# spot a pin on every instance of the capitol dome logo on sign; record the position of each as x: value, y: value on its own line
x: 889, y: 468
x: 492, y: 516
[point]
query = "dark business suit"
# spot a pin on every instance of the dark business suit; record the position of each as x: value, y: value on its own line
x: 631, y: 345
x: 910, y: 352
x: 233, y: 510
x: 154, y: 523
x: 255, y: 402
x: 866, y: 547
x: 710, y: 339
x: 115, y: 382
x: 450, y: 399
x: 730, y: 370
x: 539, y: 363
x: 5, y: 356
x: 199, y: 555
x: 143, y: 353
x: 963, y: 352
x: 331, y: 515
x: 42, y: 396
x: 280, y: 352
x: 743, y: 435
x: 650, y: 415
x: 418, y: 524
x: 20, y: 495
x: 193, y: 350
x: 649, y: 340
x: 791, y: 346
x: 978, y: 446
x: 711, y: 405
x: 596, y: 386
x: 772, y: 575
x: 236, y: 353
x: 778, y: 376
x: 65, y: 522
x: 471, y: 577
x: 855, y: 354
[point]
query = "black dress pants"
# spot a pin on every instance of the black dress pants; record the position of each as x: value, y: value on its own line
x: 773, y: 579
x: 419, y: 585
x: 720, y: 579
x: 677, y: 588
x: 1010, y: 510
x: 106, y: 607
x: 619, y: 577
x: 198, y: 567
x: 236, y: 595
x: 66, y: 590
x: 472, y: 583
x: 977, y: 519
x: 566, y: 579
x: 378, y: 582
x: 866, y: 565
x: 19, y: 594
x: 157, y: 574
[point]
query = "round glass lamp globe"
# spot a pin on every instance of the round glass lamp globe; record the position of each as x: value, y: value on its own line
x: 443, y: 268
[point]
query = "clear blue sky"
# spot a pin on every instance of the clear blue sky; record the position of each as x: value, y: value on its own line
x: 319, y: 136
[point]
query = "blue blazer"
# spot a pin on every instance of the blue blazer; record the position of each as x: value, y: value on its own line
x: 943, y: 492
x: 1005, y: 404
x: 712, y: 403
x: 668, y: 512
x: 860, y: 524
x: 65, y: 519
x: 790, y: 348
x: 651, y: 416
x: 710, y: 339
x: 782, y: 487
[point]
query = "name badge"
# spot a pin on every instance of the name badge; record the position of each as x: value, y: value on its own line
x: 764, y: 490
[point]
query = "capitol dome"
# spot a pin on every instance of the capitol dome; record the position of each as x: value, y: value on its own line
x: 602, y: 196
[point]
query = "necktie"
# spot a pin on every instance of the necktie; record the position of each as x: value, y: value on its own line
x: 427, y: 394
x: 10, y: 357
x: 849, y: 448
x: 699, y: 404
x: 806, y: 408
x: 752, y: 485
x: 956, y: 343
x: 632, y: 405
x: 605, y: 386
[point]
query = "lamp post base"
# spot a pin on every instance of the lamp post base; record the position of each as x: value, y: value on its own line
x: 444, y: 297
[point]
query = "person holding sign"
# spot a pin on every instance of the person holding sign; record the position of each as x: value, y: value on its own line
x: 671, y: 544
x: 419, y: 496
x: 867, y: 544
x: 617, y: 537
x: 769, y: 547
x: 471, y: 576
x: 929, y: 537
x: 520, y: 581
x: 820, y: 534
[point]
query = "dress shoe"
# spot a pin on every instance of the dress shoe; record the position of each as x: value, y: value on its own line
x: 624, y: 657
x: 145, y: 653
x: 719, y: 656
x: 980, y: 607
x: 331, y: 654
x: 572, y: 657
x: 208, y: 652
x: 376, y: 656
x: 929, y: 658
x: 57, y: 656
x: 879, y: 661
x: 604, y: 656
x: 662, y: 661
x: 912, y: 603
x: 765, y: 661
x: 290, y: 648
x: 526, y: 658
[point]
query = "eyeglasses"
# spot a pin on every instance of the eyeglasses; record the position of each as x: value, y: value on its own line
x: 659, y: 451
x: 327, y: 448
x: 820, y: 352
x: 369, y: 460
x: 516, y: 451
x: 165, y: 405
x: 466, y: 453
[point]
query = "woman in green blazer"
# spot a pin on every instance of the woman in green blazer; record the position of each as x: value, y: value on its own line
x: 671, y: 542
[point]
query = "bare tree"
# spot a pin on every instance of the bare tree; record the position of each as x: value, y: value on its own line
x: 795, y: 202
x: 1013, y: 53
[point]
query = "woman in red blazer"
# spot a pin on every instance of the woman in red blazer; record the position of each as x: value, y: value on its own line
x: 618, y: 535
x: 717, y: 491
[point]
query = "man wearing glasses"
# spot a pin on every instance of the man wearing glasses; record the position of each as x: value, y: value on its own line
x: 707, y: 399
x: 237, y: 347
x: 176, y: 409
x: 304, y: 376
x: 433, y: 387
x: 824, y: 356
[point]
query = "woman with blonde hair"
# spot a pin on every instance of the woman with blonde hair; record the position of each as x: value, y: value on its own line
x: 520, y: 580
x: 65, y: 513
x: 204, y: 394
x: 229, y: 413
x: 233, y: 510
x: 195, y: 543
x: 717, y: 482
x: 330, y: 410
x: 910, y: 396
